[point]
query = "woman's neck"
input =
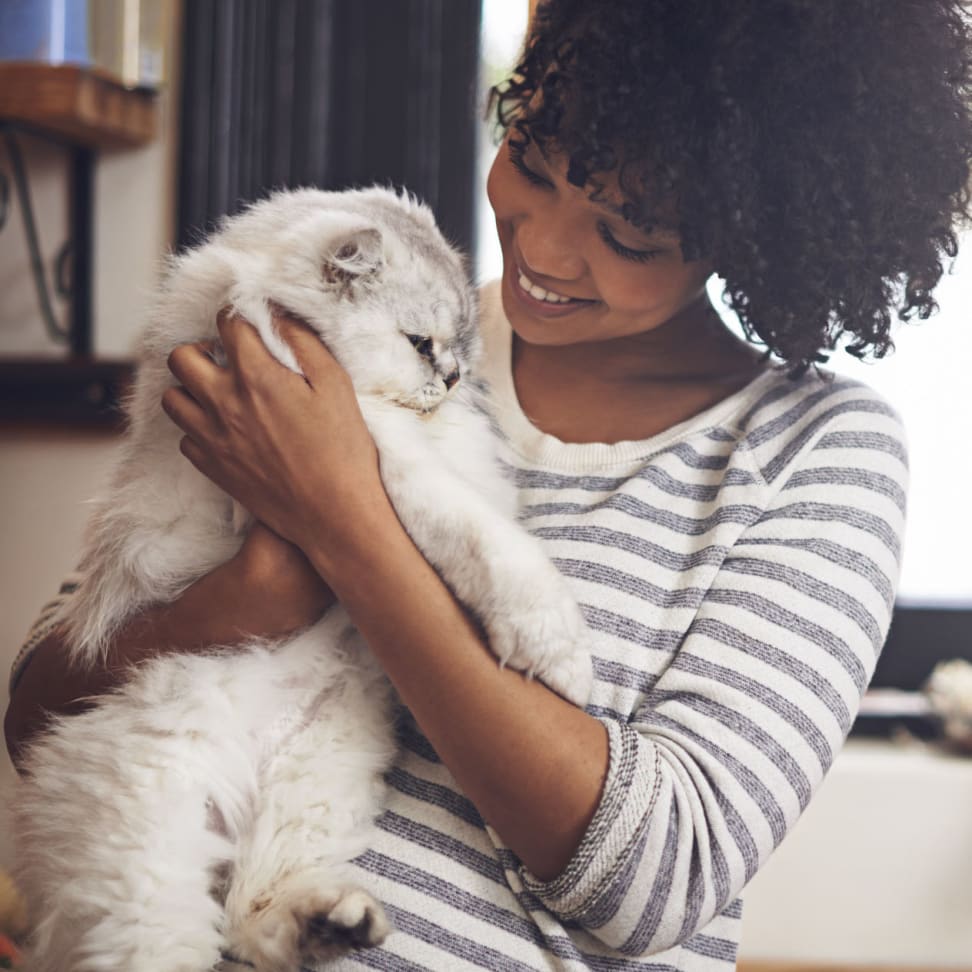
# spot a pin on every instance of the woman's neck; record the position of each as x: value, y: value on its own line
x: 636, y: 386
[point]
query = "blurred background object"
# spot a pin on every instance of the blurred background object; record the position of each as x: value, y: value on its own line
x: 52, y: 31
x: 125, y: 39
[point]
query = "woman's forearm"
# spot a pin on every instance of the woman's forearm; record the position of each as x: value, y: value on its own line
x: 252, y: 595
x: 533, y: 764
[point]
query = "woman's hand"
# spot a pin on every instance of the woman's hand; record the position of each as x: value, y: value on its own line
x: 280, y: 582
x: 293, y: 450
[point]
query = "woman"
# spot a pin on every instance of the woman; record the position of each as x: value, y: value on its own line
x: 731, y: 525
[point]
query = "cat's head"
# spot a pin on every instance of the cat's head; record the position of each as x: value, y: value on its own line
x: 371, y: 273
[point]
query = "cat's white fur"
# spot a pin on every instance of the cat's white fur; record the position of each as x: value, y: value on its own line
x: 213, y: 801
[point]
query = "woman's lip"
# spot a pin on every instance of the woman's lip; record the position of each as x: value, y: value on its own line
x: 543, y: 308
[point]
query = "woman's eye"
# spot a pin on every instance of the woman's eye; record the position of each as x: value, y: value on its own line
x: 421, y: 344
x: 639, y: 256
x: 528, y: 173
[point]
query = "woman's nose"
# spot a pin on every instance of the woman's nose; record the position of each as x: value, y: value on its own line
x: 549, y: 247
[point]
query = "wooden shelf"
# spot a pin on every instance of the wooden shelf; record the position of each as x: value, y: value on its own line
x: 73, y: 392
x: 76, y: 103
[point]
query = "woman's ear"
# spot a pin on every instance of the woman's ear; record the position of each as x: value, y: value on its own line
x: 353, y: 257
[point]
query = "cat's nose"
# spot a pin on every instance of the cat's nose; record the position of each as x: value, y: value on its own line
x: 451, y: 379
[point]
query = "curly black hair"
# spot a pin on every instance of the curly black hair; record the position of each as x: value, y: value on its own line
x: 817, y: 152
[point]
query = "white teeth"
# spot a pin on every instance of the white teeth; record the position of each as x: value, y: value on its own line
x: 538, y: 293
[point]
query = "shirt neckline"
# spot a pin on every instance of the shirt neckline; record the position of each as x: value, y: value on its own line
x: 540, y: 447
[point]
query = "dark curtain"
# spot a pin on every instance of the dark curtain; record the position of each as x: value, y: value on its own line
x: 328, y: 93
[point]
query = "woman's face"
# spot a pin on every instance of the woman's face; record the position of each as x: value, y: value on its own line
x: 557, y: 243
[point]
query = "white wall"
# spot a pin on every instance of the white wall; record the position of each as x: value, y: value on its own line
x: 134, y: 228
x: 21, y: 328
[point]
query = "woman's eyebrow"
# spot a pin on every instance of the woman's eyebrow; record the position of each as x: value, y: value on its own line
x: 662, y: 233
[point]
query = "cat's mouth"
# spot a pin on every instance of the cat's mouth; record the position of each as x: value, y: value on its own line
x: 413, y: 406
x: 425, y: 401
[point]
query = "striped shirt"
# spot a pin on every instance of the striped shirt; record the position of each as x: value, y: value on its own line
x: 737, y: 573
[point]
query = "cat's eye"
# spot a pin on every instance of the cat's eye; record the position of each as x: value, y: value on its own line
x: 421, y: 344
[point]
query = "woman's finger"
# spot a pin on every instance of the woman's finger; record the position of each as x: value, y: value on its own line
x: 194, y: 368
x: 184, y: 410
x: 197, y: 456
x: 315, y: 360
x: 242, y: 344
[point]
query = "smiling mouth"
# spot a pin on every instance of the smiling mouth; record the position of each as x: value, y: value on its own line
x: 542, y: 294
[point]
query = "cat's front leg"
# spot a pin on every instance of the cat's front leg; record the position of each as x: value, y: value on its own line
x: 531, y: 618
x: 491, y: 564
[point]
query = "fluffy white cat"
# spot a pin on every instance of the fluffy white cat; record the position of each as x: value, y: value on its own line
x: 210, y: 804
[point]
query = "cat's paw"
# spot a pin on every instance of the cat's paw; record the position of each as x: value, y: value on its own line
x: 291, y: 931
x: 354, y: 920
x: 547, y: 642
x: 570, y: 674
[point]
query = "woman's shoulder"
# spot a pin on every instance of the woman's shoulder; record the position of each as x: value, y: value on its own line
x: 833, y: 417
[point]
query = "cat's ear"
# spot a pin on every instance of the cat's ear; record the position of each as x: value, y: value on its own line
x: 353, y: 257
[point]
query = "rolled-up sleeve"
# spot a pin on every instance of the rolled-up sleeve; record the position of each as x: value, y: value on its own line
x: 45, y: 622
